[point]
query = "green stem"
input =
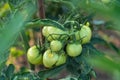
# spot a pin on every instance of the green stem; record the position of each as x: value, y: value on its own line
x: 42, y: 16
x: 44, y: 22
x: 25, y: 40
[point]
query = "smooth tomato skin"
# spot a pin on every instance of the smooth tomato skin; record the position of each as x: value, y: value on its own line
x: 74, y: 49
x: 49, y: 58
x: 55, y: 45
x: 52, y: 33
x: 33, y: 56
x: 62, y: 59
x: 45, y: 31
x: 84, y: 34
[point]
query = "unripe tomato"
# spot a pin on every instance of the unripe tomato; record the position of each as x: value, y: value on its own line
x: 62, y: 59
x: 55, y: 45
x: 84, y: 34
x: 45, y: 31
x: 49, y: 58
x: 73, y: 49
x: 52, y: 33
x: 34, y: 56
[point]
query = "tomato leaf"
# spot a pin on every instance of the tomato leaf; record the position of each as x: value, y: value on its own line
x: 98, y: 40
x: 50, y: 72
x: 44, y: 22
x: 10, y: 71
x: 92, y: 49
x: 79, y: 65
x: 11, y: 29
x: 114, y: 47
x: 105, y: 63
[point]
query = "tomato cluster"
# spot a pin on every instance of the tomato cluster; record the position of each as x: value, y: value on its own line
x: 61, y: 44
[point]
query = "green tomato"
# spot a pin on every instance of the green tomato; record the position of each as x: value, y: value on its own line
x: 74, y: 49
x: 62, y: 59
x: 52, y: 33
x: 55, y: 45
x: 84, y: 34
x: 34, y: 56
x: 49, y: 58
x: 45, y: 31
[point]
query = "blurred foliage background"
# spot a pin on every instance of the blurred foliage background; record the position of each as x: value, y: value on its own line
x: 103, y: 15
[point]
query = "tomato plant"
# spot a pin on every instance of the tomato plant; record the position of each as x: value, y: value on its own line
x: 51, y: 36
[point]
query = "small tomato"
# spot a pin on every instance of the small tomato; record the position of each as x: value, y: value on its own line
x: 62, y: 59
x: 34, y: 56
x: 55, y: 45
x: 84, y: 34
x: 49, y: 58
x: 74, y: 49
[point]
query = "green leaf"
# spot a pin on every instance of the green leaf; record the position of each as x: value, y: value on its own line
x: 105, y: 63
x: 12, y: 28
x: 2, y: 78
x: 97, y: 40
x: 44, y: 22
x: 10, y: 71
x: 113, y: 47
x: 73, y: 66
x: 50, y: 72
x: 92, y: 49
x: 70, y: 77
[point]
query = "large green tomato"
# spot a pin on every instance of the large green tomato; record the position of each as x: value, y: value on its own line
x: 62, y: 59
x: 34, y: 56
x: 84, y: 34
x: 49, y: 58
x: 55, y: 45
x: 74, y: 49
x: 52, y: 33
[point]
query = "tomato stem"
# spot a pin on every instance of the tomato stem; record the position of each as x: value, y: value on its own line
x: 42, y: 16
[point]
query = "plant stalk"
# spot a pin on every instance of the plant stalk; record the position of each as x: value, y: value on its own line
x: 42, y: 16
